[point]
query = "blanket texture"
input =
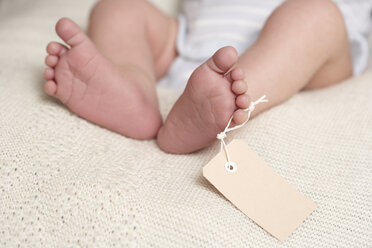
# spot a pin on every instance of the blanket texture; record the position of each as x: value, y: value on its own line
x: 65, y: 182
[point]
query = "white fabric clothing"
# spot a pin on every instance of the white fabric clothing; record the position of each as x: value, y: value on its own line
x: 207, y: 25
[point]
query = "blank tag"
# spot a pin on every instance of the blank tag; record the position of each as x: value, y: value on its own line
x: 258, y: 191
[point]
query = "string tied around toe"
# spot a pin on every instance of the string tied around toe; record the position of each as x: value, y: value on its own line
x: 222, y: 135
x: 251, y: 107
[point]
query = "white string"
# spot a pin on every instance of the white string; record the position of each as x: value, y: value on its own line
x: 222, y: 135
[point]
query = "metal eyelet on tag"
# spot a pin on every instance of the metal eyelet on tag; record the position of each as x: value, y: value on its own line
x: 231, y: 166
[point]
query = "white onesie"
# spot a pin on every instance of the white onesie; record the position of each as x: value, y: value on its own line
x: 207, y: 25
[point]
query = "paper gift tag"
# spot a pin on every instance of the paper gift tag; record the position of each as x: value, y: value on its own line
x: 258, y: 191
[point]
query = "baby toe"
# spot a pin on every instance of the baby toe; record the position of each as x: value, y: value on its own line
x: 239, y: 87
x: 240, y: 116
x: 51, y: 60
x: 243, y: 101
x: 223, y: 60
x: 50, y: 87
x: 48, y: 73
x: 237, y: 74
x: 55, y: 48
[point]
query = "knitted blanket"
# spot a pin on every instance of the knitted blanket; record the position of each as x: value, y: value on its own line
x: 65, y: 182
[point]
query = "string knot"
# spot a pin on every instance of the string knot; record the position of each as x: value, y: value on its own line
x: 251, y: 107
x: 221, y: 135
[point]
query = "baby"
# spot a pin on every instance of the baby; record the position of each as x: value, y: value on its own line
x: 108, y: 76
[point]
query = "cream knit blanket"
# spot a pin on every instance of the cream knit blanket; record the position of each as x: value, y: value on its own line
x: 65, y: 182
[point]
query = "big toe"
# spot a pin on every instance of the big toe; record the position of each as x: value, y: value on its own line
x: 223, y: 60
x: 70, y: 32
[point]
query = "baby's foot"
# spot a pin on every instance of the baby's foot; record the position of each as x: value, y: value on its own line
x: 93, y: 88
x: 213, y: 94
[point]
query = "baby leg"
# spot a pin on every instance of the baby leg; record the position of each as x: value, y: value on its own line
x: 109, y: 76
x: 136, y: 36
x: 303, y: 45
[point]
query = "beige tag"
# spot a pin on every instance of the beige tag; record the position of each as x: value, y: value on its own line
x: 258, y: 191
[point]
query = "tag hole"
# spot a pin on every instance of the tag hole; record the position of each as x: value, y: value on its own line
x: 230, y: 166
